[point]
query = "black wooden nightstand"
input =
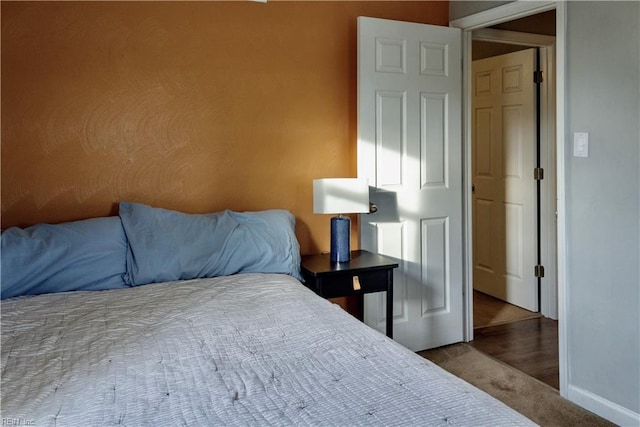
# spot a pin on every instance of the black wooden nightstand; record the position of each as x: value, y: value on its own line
x: 364, y: 273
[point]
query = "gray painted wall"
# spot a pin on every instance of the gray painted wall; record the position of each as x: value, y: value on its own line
x: 458, y: 9
x: 602, y: 197
x: 603, y: 200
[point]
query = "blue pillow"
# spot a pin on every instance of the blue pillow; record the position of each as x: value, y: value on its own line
x: 84, y: 255
x: 166, y: 245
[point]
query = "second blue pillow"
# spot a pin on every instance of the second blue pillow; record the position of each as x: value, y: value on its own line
x: 166, y: 245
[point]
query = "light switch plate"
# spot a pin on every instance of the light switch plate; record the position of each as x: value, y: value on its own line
x: 581, y: 144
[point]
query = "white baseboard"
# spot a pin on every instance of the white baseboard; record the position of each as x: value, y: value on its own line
x: 603, y: 407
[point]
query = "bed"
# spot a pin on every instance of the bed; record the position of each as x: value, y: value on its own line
x: 249, y: 348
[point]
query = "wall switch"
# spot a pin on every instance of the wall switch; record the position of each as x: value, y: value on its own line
x: 581, y: 144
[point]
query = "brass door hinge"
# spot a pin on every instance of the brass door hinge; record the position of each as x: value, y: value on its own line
x: 539, y: 270
x: 538, y: 174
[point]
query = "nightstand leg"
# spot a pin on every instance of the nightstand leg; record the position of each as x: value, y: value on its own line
x: 390, y: 303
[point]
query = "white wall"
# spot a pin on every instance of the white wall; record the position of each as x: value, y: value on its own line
x: 602, y: 315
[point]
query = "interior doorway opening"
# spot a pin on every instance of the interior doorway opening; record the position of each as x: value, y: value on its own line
x: 494, y: 321
x: 535, y: 31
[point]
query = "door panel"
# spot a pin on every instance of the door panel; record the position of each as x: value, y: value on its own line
x: 391, y: 120
x: 433, y: 160
x: 505, y: 196
x: 409, y: 147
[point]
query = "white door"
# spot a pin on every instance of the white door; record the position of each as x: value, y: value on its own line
x: 409, y: 147
x: 505, y: 197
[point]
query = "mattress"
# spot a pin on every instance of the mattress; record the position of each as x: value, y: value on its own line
x: 245, y: 350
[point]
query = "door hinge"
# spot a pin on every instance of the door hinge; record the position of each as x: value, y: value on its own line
x: 539, y: 270
x: 537, y: 77
x: 538, y: 174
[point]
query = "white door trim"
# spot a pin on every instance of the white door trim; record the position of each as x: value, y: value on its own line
x: 508, y: 12
x: 513, y: 37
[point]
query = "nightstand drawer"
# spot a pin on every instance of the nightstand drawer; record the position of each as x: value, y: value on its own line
x: 365, y: 272
x: 343, y: 285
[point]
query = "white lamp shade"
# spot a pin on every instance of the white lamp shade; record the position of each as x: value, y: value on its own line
x: 340, y: 196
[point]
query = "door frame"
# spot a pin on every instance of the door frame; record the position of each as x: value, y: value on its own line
x: 504, y: 13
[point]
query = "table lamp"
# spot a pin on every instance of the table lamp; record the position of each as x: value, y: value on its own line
x: 340, y: 196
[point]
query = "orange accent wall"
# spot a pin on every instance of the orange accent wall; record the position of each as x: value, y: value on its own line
x: 194, y: 106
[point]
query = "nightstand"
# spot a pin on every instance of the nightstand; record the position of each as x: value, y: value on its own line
x: 364, y: 273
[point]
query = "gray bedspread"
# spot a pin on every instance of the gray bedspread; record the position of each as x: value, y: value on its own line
x: 246, y: 350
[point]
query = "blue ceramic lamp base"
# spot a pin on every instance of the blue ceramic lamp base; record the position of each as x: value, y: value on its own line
x: 340, y: 239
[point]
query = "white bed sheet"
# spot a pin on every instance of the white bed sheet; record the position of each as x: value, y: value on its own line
x: 244, y: 350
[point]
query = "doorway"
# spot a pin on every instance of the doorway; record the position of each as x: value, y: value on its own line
x: 510, y: 322
x: 504, y: 41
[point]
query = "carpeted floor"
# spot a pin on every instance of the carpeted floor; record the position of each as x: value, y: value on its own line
x: 532, y: 398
